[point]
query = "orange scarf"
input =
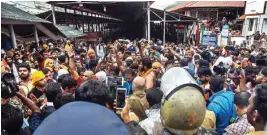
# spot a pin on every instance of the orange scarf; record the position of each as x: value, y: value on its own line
x: 144, y: 74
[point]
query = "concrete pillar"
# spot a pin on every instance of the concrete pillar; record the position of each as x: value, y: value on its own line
x: 36, y: 34
x: 12, y: 36
x: 53, y: 14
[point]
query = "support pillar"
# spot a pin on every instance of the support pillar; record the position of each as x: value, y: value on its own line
x: 148, y: 21
x: 164, y: 23
x: 53, y: 14
x: 13, y: 36
x: 36, y: 34
x: 66, y: 17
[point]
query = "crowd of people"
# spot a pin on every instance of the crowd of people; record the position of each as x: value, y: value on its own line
x: 62, y: 87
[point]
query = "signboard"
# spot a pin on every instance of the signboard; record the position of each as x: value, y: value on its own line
x: 253, y: 7
x: 224, y: 35
x: 209, y: 39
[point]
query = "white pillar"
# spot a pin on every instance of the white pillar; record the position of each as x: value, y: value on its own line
x: 12, y: 36
x: 53, y: 14
x: 164, y: 23
x: 148, y: 21
x: 36, y: 34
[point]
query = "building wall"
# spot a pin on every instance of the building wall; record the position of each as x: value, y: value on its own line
x: 260, y: 21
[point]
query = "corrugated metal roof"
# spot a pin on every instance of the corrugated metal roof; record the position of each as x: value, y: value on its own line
x: 10, y: 12
x: 202, y: 4
x: 70, y: 32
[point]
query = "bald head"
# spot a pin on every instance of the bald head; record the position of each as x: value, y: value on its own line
x: 139, y: 84
x: 87, y: 75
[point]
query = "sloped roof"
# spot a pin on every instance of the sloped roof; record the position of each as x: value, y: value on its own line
x: 10, y: 12
x: 206, y: 4
x: 218, y: 4
x: 70, y: 32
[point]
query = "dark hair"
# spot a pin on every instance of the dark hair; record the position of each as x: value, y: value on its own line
x: 80, y: 70
x: 184, y: 62
x: 11, y: 119
x: 135, y: 129
x: 110, y: 100
x: 260, y: 100
x: 68, y: 82
x: 146, y: 61
x: 204, y: 71
x: 130, y: 71
x: 216, y: 83
x: 62, y: 58
x: 92, y: 91
x: 241, y: 99
x: 154, y: 96
x: 45, y: 70
x: 203, y: 62
x: 25, y: 65
x: 92, y: 64
x: 264, y: 71
x: 61, y: 77
x: 52, y: 90
x: 116, y: 70
x: 62, y: 99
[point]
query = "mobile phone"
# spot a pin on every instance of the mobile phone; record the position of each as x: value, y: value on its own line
x: 261, y: 62
x: 114, y: 81
x: 120, y: 97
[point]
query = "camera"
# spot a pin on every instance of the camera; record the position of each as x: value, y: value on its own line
x: 9, y: 86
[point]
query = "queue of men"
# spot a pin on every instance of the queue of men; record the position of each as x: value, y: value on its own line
x: 62, y: 87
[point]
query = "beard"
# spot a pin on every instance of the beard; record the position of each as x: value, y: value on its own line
x: 24, y: 76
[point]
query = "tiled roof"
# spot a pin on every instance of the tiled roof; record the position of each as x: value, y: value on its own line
x: 218, y: 4
x: 180, y: 6
x: 202, y: 4
x: 10, y: 12
x: 70, y: 32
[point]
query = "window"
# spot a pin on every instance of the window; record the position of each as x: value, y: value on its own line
x: 250, y: 25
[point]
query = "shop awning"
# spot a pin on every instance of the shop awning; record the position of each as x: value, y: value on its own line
x: 243, y: 17
x: 70, y: 32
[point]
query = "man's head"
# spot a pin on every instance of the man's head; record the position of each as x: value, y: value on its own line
x: 251, y: 73
x: 202, y: 62
x: 52, y: 90
x: 129, y: 61
x: 257, y: 110
x: 146, y: 64
x: 184, y: 62
x: 11, y: 119
x: 62, y: 99
x: 92, y: 91
x: 154, y: 96
x: 61, y: 59
x: 189, y: 55
x: 241, y: 101
x: 156, y: 67
x: 69, y: 84
x: 139, y: 84
x: 262, y: 76
x: 87, y: 75
x: 38, y: 79
x: 48, y: 74
x: 216, y: 83
x: 204, y: 74
x: 24, y: 71
x: 129, y: 74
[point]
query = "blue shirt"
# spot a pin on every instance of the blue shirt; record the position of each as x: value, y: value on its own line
x: 129, y: 87
x: 222, y: 104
